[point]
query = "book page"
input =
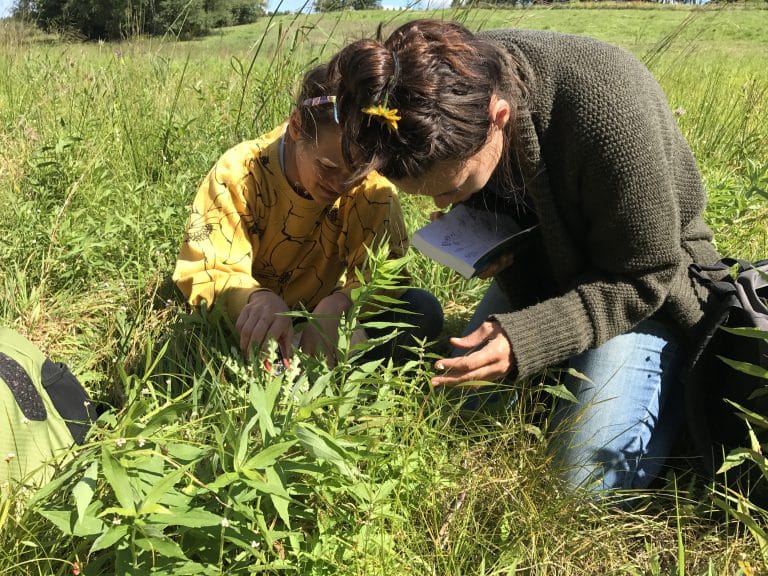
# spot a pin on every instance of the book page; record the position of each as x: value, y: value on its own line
x: 466, y: 233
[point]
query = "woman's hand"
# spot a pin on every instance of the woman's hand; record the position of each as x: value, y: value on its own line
x: 262, y: 318
x: 321, y: 335
x: 502, y: 262
x: 491, y: 362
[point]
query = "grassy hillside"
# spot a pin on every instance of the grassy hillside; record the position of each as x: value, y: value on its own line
x: 352, y: 471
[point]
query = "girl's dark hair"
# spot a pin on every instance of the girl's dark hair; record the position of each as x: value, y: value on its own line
x: 440, y: 77
x: 313, y: 116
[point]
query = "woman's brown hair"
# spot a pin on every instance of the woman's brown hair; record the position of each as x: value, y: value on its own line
x: 440, y: 77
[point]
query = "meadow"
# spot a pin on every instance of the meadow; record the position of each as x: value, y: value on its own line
x: 204, y: 464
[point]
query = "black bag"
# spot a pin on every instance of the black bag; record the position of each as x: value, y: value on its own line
x: 738, y: 298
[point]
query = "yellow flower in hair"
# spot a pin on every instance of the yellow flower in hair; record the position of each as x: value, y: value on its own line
x: 388, y: 116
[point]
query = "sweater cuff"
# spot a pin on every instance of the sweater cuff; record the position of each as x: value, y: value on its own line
x: 548, y: 333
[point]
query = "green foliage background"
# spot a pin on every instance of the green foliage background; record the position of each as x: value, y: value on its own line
x: 118, y: 19
x: 207, y: 466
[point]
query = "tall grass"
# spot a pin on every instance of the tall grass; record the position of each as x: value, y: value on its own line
x: 205, y: 465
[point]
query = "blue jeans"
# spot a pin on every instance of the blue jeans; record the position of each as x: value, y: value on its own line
x: 628, y: 413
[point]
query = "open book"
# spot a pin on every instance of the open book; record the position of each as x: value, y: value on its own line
x: 467, y: 239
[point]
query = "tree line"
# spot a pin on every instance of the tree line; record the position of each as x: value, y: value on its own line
x: 116, y: 19
x: 184, y: 19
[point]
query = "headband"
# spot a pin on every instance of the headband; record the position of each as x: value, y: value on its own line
x: 319, y: 101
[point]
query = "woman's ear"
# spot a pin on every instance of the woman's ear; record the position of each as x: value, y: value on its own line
x: 499, y: 110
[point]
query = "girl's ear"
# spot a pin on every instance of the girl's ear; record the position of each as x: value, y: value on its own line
x: 499, y: 111
x: 294, y: 126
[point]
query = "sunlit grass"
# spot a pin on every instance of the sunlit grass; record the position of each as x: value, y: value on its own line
x: 101, y: 149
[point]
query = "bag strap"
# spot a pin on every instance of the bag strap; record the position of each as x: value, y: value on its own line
x: 716, y: 276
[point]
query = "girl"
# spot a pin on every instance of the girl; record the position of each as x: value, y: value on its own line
x: 577, y: 136
x: 276, y: 224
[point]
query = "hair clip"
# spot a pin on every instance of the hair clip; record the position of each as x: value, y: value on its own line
x: 319, y: 101
x: 387, y: 116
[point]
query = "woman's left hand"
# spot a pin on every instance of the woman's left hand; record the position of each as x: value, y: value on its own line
x: 491, y: 362
x: 502, y: 262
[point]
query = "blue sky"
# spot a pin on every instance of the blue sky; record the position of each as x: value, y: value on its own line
x: 292, y: 5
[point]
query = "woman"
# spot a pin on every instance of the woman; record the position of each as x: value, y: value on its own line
x: 275, y: 226
x: 576, y: 136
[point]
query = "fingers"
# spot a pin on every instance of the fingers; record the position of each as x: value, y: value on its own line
x: 436, y: 215
x: 491, y: 362
x: 475, y: 338
x: 261, y: 319
x: 502, y: 262
x: 257, y: 330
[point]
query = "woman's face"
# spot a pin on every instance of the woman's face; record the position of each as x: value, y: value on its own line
x: 321, y: 167
x: 452, y: 181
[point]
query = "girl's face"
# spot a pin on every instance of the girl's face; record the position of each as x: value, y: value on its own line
x: 452, y: 181
x: 321, y: 167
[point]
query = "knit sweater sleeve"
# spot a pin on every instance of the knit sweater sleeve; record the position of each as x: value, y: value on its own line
x: 215, y: 258
x: 608, y: 152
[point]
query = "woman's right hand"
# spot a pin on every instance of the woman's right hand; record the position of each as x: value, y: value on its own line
x: 261, y: 319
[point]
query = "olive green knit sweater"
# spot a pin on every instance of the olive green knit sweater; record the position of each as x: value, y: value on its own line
x: 617, y: 193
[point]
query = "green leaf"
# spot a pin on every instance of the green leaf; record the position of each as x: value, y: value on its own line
x: 109, y: 538
x: 119, y: 511
x: 473, y: 384
x: 83, y: 490
x: 163, y: 486
x: 319, y: 443
x: 192, y: 518
x: 260, y: 401
x: 164, y: 416
x: 163, y: 546
x: 118, y: 479
x: 281, y: 501
x: 51, y: 487
x: 65, y: 521
x: 243, y: 441
x: 578, y: 375
x: 185, y: 452
x: 268, y: 456
x: 323, y: 447
x: 560, y: 391
x: 747, y: 332
x: 746, y: 368
x: 222, y: 481
x: 153, y: 508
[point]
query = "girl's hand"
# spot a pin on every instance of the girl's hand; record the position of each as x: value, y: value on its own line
x: 261, y: 319
x: 322, y: 334
x: 491, y: 362
x: 436, y: 215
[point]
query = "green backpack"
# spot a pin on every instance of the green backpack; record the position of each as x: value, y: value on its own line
x: 44, y: 411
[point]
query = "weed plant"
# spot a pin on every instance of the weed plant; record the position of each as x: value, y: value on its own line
x: 204, y: 464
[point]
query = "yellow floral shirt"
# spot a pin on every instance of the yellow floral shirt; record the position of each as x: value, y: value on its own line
x: 249, y: 230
